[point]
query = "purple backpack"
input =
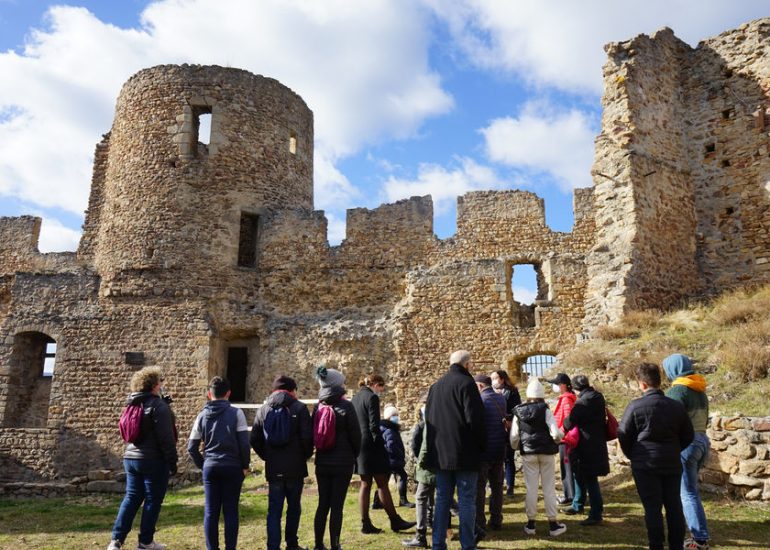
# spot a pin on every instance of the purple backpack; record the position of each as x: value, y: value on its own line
x: 131, y: 423
x: 324, y: 427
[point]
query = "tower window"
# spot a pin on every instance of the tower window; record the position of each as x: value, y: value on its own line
x: 247, y: 244
x: 526, y: 284
x: 293, y: 143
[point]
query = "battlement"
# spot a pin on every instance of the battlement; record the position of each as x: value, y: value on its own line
x: 18, y: 242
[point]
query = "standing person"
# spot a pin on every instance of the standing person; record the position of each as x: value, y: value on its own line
x: 503, y: 385
x: 225, y: 436
x: 394, y: 445
x: 456, y: 439
x: 590, y: 459
x: 148, y: 461
x: 372, y: 464
x: 562, y: 385
x: 336, y: 457
x: 282, y: 436
x: 690, y: 390
x: 652, y: 433
x: 491, y: 468
x: 535, y: 433
x: 426, y: 485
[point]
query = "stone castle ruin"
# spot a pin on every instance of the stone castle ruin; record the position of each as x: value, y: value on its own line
x: 209, y: 259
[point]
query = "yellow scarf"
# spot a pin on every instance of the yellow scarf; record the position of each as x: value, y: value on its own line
x: 695, y: 382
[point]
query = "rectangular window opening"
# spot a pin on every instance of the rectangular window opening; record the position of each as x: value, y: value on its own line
x: 293, y: 143
x: 526, y: 285
x: 50, y: 359
x: 710, y: 148
x: 247, y: 243
x: 202, y: 125
x: 237, y: 363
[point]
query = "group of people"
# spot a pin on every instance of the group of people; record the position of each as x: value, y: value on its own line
x: 468, y: 431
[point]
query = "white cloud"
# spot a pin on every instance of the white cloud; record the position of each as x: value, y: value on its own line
x: 560, y: 43
x: 335, y: 229
x: 544, y: 139
x: 55, y: 237
x: 524, y: 295
x: 361, y: 66
x: 443, y: 184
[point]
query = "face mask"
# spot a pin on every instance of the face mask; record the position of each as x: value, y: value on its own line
x: 394, y: 419
x: 555, y: 388
x: 497, y: 385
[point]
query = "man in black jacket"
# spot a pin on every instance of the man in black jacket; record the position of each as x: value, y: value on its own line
x: 455, y: 439
x: 652, y: 433
x: 285, y: 461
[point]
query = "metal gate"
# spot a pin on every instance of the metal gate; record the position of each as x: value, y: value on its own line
x: 536, y: 365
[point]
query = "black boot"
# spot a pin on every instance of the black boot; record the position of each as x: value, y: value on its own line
x: 336, y: 544
x: 368, y: 529
x: 419, y: 541
x: 376, y: 504
x: 400, y: 524
x: 403, y: 502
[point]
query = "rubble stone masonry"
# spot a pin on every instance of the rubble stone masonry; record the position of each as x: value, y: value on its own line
x: 205, y: 256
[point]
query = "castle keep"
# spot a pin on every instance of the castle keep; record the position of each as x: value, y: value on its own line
x: 209, y: 259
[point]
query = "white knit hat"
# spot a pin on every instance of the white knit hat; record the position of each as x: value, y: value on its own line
x: 535, y: 389
x: 390, y: 410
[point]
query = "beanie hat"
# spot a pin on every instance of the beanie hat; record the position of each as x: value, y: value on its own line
x: 580, y: 382
x: 677, y: 365
x: 390, y: 410
x: 483, y: 379
x: 535, y: 389
x: 285, y: 383
x: 328, y: 378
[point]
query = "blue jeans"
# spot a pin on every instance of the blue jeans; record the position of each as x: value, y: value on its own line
x: 465, y: 481
x: 510, y: 469
x: 222, y: 489
x: 693, y: 459
x: 588, y: 485
x: 289, y: 490
x: 146, y: 482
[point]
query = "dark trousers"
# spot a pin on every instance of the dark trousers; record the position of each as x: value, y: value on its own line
x: 402, y: 483
x: 492, y: 472
x: 658, y: 491
x: 567, y: 479
x: 146, y: 483
x: 332, y: 485
x: 510, y: 469
x: 222, y: 490
x: 278, y: 491
x: 587, y: 486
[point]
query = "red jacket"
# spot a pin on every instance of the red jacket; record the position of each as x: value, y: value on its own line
x: 564, y: 407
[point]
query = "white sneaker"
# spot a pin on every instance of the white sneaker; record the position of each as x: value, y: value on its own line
x: 151, y: 546
x: 115, y: 545
x: 529, y: 530
x: 557, y: 529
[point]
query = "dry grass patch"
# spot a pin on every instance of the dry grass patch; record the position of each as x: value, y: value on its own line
x: 741, y: 306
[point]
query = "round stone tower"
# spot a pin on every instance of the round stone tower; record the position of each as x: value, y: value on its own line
x: 181, y: 202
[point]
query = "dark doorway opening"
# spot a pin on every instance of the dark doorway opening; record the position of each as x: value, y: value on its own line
x: 237, y: 363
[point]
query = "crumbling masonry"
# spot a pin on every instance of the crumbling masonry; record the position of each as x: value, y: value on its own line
x: 209, y: 258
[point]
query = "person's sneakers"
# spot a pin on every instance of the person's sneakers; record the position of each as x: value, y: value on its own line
x: 151, y: 546
x: 368, y: 529
x: 555, y: 528
x: 571, y: 511
x: 481, y: 534
x: 692, y: 544
x: 564, y: 500
x: 418, y: 541
x: 529, y: 528
x: 404, y: 503
x: 115, y: 545
x: 590, y: 521
x: 400, y: 524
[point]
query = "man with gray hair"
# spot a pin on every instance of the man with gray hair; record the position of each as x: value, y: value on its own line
x: 455, y: 438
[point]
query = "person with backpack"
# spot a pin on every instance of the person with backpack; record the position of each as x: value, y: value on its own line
x: 337, y: 438
x: 147, y: 426
x: 282, y: 436
x: 372, y: 464
x: 225, y: 436
x: 535, y: 433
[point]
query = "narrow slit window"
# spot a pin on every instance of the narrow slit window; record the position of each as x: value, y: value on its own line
x: 247, y: 244
x: 293, y: 143
x: 49, y: 360
x: 201, y: 125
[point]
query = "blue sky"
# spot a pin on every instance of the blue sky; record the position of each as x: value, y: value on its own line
x: 410, y: 97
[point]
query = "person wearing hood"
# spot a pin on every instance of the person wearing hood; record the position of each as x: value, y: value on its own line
x: 690, y: 390
x: 535, y: 433
x: 285, y: 458
x: 590, y: 459
x: 147, y: 462
x: 224, y: 433
x: 394, y: 445
x: 334, y: 465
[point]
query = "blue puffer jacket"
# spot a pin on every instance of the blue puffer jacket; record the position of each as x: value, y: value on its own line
x: 394, y: 445
x: 497, y: 438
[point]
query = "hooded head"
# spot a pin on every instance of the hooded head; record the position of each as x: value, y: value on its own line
x: 390, y: 410
x: 535, y: 389
x: 329, y: 378
x: 677, y: 365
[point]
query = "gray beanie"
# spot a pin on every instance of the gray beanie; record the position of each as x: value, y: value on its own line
x: 329, y: 378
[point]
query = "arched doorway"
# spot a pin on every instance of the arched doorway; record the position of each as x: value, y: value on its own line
x: 33, y: 360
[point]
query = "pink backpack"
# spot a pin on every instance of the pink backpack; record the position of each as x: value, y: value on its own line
x: 131, y: 423
x: 324, y: 427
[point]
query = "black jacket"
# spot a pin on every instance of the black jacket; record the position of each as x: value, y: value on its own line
x: 394, y: 444
x: 158, y: 434
x: 454, y: 422
x: 288, y: 461
x: 497, y: 436
x: 512, y: 399
x: 373, y: 459
x: 590, y: 416
x: 653, y: 432
x: 347, y: 441
x: 534, y: 435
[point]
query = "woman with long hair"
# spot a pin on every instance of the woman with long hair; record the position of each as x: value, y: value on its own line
x: 502, y: 384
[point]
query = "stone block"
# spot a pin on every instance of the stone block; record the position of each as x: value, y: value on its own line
x: 99, y: 475
x: 761, y: 424
x: 745, y: 481
x: 742, y: 449
x: 736, y: 423
x: 105, y: 487
x: 755, y: 468
x: 766, y: 490
x: 754, y: 494
x: 713, y: 477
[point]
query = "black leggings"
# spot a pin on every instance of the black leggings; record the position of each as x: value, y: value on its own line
x: 333, y: 483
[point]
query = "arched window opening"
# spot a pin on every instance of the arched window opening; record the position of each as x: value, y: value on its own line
x: 536, y: 365
x: 33, y: 360
x: 527, y: 288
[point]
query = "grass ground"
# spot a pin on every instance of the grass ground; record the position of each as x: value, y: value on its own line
x: 85, y: 523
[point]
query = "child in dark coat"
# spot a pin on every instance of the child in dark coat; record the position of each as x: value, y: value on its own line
x: 394, y: 445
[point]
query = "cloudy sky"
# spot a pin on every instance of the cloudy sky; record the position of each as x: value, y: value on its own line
x: 410, y: 97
